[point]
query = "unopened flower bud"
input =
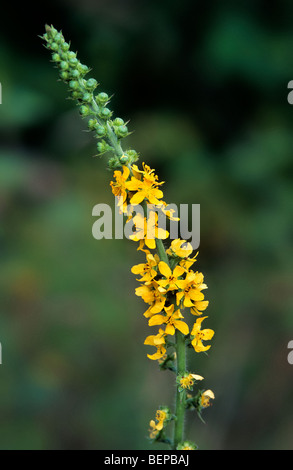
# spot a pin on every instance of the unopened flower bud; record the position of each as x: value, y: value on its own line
x: 102, y: 98
x: 84, y: 110
x: 65, y: 46
x: 56, y: 57
x: 87, y: 97
x: 64, y: 65
x: 121, y: 131
x: 124, y: 159
x: 100, y: 130
x: 54, y: 46
x: 118, y: 122
x: 64, y: 75
x: 105, y: 113
x: 91, y: 124
x: 74, y: 85
x: 91, y: 84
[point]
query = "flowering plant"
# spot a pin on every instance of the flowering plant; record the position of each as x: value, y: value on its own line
x: 168, y: 285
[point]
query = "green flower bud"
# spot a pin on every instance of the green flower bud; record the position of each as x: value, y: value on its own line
x: 56, y: 57
x: 85, y: 110
x: 75, y: 73
x: 121, y: 131
x: 51, y: 31
x: 87, y: 97
x: 105, y: 113
x: 103, y: 147
x: 91, y: 84
x: 65, y: 46
x: 54, y: 46
x: 118, y: 122
x: 71, y: 55
x: 92, y: 123
x: 83, y: 69
x: 73, y: 61
x: 76, y: 95
x: 114, y: 163
x: 58, y: 37
x: 64, y: 65
x: 100, y: 130
x: 74, y: 85
x: 102, y: 98
x: 133, y: 156
x: 64, y: 75
x: 124, y: 159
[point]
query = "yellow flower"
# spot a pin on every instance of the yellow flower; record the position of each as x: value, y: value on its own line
x: 173, y: 320
x: 206, y: 397
x: 191, y: 293
x: 145, y: 188
x: 119, y: 187
x: 186, y: 263
x: 146, y: 270
x: 180, y: 248
x: 200, y: 335
x: 187, y: 381
x: 157, y: 303
x: 148, y: 230
x: 159, y: 342
x: 169, y: 212
x: 171, y: 281
x: 152, y: 295
x: 162, y: 416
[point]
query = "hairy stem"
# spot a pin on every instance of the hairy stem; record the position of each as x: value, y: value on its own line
x: 161, y: 251
x: 180, y: 399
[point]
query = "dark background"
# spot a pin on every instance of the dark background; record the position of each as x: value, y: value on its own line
x: 204, y: 85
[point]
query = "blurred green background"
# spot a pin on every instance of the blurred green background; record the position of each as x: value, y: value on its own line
x: 204, y: 85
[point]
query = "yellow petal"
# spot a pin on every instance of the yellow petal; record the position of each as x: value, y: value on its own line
x: 180, y: 283
x: 169, y: 310
x: 160, y: 353
x: 138, y: 268
x: 150, y: 243
x: 196, y: 295
x: 170, y: 330
x: 202, y: 305
x: 197, y: 377
x: 181, y: 326
x: 178, y: 271
x: 179, y: 296
x: 133, y: 185
x: 126, y: 172
x: 187, y: 302
x: 157, y: 320
x: 137, y: 198
x: 199, y: 347
x: 207, y: 334
x: 209, y: 393
x: 164, y: 269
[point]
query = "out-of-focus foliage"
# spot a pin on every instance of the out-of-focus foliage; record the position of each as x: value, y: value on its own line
x: 205, y: 88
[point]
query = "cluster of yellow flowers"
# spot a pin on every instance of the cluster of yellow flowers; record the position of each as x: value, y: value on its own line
x: 168, y: 286
x: 167, y: 291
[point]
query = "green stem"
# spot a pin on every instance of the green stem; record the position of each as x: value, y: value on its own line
x: 180, y: 399
x: 161, y: 251
x: 181, y: 365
